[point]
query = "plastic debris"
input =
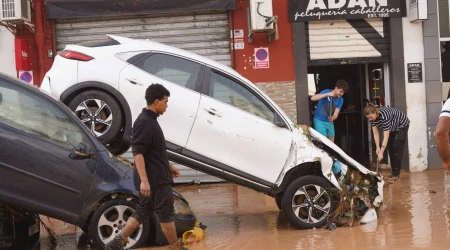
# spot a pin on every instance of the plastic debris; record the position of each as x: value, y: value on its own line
x: 194, y: 235
x: 336, y: 167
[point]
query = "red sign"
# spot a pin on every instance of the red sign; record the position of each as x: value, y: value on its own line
x: 23, y: 54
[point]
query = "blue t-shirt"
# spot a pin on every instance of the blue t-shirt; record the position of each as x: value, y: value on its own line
x: 323, y: 107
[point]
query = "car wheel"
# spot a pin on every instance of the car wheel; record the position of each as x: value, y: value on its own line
x: 308, y: 201
x: 117, y: 147
x: 109, y: 220
x: 100, y: 112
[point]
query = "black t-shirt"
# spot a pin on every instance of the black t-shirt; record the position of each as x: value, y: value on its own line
x: 148, y: 140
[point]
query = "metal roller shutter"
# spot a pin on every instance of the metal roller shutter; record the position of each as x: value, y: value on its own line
x: 204, y: 34
x: 359, y: 40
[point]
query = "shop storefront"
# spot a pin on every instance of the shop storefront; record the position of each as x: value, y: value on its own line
x: 352, y: 41
x: 202, y: 28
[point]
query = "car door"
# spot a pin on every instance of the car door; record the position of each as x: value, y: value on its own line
x: 38, y: 165
x: 235, y: 131
x: 180, y: 76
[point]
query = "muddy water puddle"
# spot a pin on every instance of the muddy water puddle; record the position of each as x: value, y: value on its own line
x: 416, y: 215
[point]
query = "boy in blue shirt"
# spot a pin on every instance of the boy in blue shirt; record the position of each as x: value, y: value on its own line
x: 328, y: 108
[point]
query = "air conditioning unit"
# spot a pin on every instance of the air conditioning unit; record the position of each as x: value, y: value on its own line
x: 261, y: 14
x: 15, y: 11
x: 260, y: 19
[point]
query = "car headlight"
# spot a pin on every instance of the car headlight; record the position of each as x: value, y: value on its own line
x: 181, y: 207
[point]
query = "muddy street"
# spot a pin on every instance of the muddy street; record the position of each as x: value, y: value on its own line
x: 416, y: 215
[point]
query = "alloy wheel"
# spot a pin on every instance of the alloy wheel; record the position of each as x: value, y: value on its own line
x: 311, y: 204
x: 112, y: 222
x: 96, y: 115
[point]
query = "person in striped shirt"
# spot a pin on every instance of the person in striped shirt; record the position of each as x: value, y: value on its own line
x: 443, y: 133
x: 395, y: 125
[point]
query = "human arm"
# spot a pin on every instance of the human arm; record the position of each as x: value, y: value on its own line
x: 380, y: 154
x: 319, y: 96
x: 140, y: 142
x: 442, y: 135
x: 376, y: 138
x: 335, y: 115
x: 140, y: 166
x: 442, y: 140
x: 339, y: 104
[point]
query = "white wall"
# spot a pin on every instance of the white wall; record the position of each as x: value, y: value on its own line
x: 415, y: 97
x: 7, y: 58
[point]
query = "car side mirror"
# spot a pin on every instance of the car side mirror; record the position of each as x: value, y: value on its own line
x: 82, y: 150
x: 279, y: 121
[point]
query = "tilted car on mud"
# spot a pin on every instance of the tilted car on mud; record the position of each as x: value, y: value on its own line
x: 51, y: 164
x: 217, y: 122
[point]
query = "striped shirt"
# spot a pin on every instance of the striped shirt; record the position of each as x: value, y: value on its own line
x: 446, y: 109
x: 391, y: 119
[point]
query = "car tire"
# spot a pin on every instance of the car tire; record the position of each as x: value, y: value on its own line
x: 117, y: 147
x: 109, y: 219
x: 296, y: 205
x: 93, y: 99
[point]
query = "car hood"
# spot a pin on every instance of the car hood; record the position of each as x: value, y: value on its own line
x: 310, y: 146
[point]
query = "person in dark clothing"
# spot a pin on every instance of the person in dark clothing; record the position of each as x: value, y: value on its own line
x: 153, y: 172
x: 395, y: 125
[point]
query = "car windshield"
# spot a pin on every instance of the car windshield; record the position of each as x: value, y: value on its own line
x: 29, y: 113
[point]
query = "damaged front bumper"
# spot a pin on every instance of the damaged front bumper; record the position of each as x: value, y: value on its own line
x: 353, y: 180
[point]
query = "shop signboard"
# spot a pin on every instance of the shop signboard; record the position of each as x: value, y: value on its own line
x: 316, y: 10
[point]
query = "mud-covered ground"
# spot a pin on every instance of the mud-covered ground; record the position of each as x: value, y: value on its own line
x: 416, y: 215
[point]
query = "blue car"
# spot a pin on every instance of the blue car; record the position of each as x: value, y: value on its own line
x: 52, y: 164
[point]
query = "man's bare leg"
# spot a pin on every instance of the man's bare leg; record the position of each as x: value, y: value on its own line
x: 130, y: 227
x: 170, y: 233
x: 332, y: 139
x: 121, y: 240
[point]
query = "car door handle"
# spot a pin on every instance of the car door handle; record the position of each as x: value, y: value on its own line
x: 212, y: 111
x: 133, y: 81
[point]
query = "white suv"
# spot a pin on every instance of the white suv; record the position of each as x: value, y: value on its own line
x: 217, y: 122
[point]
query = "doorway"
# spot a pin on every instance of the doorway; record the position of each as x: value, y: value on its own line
x: 351, y: 127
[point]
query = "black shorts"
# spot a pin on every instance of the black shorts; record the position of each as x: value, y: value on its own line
x: 160, y: 201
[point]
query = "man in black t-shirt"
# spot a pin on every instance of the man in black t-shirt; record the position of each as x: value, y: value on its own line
x: 153, y: 174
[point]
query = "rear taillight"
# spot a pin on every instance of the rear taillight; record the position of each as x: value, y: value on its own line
x: 73, y: 55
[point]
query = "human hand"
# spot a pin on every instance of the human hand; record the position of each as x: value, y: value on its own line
x: 331, y: 94
x: 380, y: 156
x: 145, y: 188
x: 378, y: 151
x: 175, y: 171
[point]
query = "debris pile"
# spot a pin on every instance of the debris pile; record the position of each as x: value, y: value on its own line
x: 357, y: 195
x: 121, y: 159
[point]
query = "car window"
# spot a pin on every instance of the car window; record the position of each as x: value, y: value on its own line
x: 36, y: 116
x: 173, y: 69
x: 231, y: 92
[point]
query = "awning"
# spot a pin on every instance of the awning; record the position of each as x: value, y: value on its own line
x: 94, y: 8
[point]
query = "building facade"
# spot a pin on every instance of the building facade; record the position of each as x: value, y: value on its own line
x: 389, y: 51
